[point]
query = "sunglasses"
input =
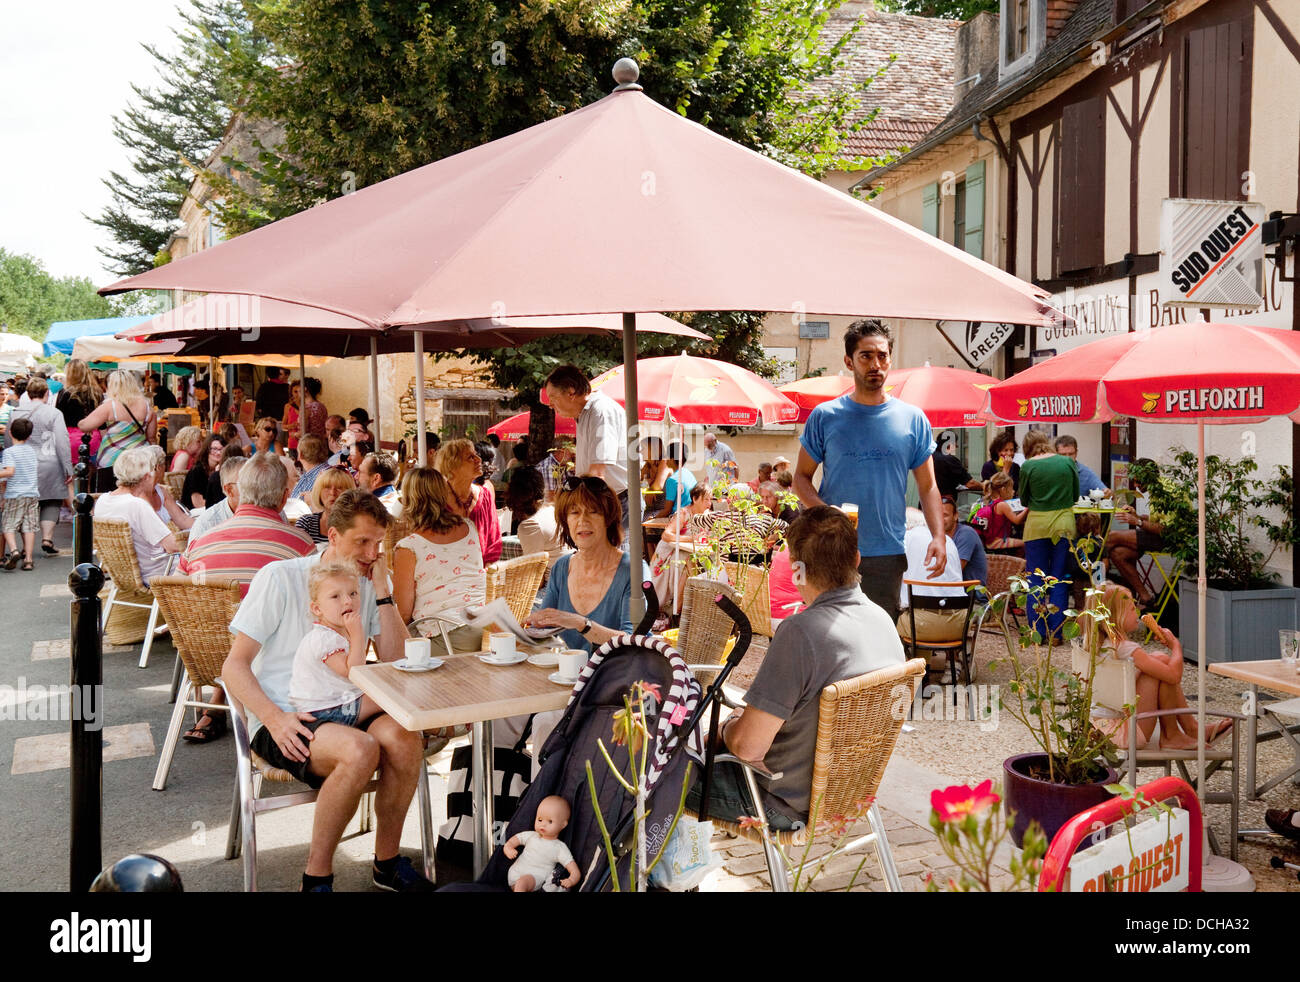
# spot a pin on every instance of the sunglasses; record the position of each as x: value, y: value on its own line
x: 572, y: 483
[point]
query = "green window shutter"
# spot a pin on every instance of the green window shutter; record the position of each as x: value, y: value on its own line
x: 930, y: 208
x: 975, y: 209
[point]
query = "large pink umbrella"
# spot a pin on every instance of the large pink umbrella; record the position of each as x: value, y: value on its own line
x: 516, y: 427
x: 622, y: 206
x: 949, y: 397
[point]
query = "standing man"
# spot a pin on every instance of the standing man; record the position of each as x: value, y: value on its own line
x: 866, y: 443
x: 601, y: 446
x: 162, y: 397
x: 1068, y: 446
x: 719, y: 459
x: 272, y: 395
x: 554, y: 467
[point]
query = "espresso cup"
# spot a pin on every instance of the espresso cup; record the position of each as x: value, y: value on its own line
x: 419, y: 651
x: 571, y: 661
x: 502, y: 644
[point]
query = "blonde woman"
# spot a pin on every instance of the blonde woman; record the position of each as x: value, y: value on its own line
x: 329, y: 485
x: 187, y: 445
x: 79, y: 397
x: 438, y: 568
x: 131, y: 423
x: 460, y: 464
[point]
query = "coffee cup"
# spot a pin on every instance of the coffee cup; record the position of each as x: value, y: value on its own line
x: 571, y: 661
x: 419, y: 651
x: 502, y: 644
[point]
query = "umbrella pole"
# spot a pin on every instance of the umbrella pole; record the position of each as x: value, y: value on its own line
x: 374, y: 385
x: 212, y: 394
x: 421, y: 449
x: 302, y: 397
x: 634, y: 541
x: 1202, y: 648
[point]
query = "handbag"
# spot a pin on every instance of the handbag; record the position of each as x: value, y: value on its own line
x: 512, y: 769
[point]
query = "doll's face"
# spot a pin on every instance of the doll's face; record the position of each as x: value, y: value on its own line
x: 552, y: 817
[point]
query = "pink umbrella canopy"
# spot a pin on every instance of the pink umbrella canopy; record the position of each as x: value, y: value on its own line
x: 687, y: 389
x: 623, y: 205
x: 949, y: 397
x: 516, y: 427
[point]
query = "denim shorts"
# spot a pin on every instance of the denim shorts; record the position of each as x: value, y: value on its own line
x: 344, y: 715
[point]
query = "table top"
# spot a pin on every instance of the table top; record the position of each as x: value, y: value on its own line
x: 463, y: 690
x: 658, y: 523
x: 1270, y: 673
x: 1094, y: 510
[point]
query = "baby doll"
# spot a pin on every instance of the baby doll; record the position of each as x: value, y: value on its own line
x: 537, y: 853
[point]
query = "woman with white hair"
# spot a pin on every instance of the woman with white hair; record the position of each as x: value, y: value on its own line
x: 131, y: 423
x: 167, y: 507
x: 187, y: 443
x: 134, y: 503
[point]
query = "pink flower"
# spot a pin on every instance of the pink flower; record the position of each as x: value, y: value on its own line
x: 955, y: 803
x: 750, y: 822
x: 652, y: 689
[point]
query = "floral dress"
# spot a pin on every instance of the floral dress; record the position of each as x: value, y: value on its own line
x: 448, y: 577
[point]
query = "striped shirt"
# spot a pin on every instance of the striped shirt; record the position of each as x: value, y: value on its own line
x: 22, y: 458
x: 241, y: 546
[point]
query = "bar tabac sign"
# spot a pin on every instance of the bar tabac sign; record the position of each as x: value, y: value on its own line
x: 1211, y: 253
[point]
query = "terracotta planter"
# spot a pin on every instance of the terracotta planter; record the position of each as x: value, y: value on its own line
x: 1051, y: 805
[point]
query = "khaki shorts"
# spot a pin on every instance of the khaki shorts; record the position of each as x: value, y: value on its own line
x: 932, y: 625
x: 22, y: 514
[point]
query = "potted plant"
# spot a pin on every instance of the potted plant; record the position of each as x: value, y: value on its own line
x: 1073, y: 764
x: 1245, y: 604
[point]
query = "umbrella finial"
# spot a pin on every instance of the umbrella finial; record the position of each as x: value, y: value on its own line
x: 626, y: 73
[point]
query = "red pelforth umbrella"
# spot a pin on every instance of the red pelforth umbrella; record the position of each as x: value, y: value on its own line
x: 700, y: 390
x: 516, y: 427
x: 949, y: 397
x: 1199, y: 372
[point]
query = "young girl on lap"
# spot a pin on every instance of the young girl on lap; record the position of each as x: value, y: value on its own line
x: 337, y: 641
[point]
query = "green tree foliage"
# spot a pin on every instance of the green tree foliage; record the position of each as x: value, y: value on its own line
x: 962, y: 10
x: 172, y: 126
x: 31, y: 299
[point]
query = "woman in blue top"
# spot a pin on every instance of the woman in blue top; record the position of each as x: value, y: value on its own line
x: 590, y: 590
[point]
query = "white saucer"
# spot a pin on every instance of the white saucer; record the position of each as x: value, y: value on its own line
x: 559, y: 680
x: 402, y: 665
x: 514, y: 659
x: 544, y: 659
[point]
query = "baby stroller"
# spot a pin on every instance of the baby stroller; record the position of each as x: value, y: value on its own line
x: 598, y: 694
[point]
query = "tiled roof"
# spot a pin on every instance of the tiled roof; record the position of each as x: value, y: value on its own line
x: 915, y: 92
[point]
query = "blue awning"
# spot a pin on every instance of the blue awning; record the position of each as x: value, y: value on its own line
x: 63, y: 334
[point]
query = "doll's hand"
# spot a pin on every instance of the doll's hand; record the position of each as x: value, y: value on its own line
x: 510, y: 849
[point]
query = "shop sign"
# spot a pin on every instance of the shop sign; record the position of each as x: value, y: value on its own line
x: 1211, y: 253
x: 1151, y: 857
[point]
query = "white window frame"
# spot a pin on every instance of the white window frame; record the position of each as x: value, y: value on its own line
x: 1037, y: 32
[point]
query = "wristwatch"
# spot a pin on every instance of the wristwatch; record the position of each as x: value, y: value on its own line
x: 586, y: 626
x: 383, y: 600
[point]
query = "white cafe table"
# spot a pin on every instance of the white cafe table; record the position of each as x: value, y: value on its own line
x: 1271, y: 674
x: 464, y: 691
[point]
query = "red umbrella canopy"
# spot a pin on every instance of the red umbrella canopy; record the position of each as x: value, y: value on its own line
x: 949, y: 397
x: 516, y: 427
x: 621, y: 206
x: 1211, y: 373
x: 700, y: 390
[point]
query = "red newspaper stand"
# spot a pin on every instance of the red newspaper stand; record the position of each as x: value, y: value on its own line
x: 1161, y: 861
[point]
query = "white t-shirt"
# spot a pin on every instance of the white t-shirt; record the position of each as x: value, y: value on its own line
x: 541, y: 533
x: 276, y: 615
x: 147, y: 529
x: 915, y: 542
x: 313, y: 684
x: 538, y: 857
x: 602, y: 439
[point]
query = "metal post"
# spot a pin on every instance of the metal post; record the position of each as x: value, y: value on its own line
x: 636, y: 551
x: 302, y: 397
x: 87, y: 750
x: 374, y: 388
x: 481, y: 788
x: 82, y: 537
x: 419, y: 400
x: 212, y: 394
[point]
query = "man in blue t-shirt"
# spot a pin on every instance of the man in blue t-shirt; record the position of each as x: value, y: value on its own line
x: 866, y: 443
x: 1068, y: 446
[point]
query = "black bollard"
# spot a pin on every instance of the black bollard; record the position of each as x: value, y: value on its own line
x: 82, y: 537
x: 87, y: 745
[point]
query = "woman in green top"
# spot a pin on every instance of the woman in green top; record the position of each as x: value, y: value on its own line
x: 1049, y: 485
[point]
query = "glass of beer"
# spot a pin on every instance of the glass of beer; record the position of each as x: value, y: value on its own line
x: 852, y: 511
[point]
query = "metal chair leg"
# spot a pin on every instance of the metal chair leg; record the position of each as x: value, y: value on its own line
x: 169, y: 744
x: 178, y: 672
x: 424, y: 802
x: 148, y: 634
x: 232, y: 835
x: 883, y: 852
x: 776, y: 867
x: 108, y: 606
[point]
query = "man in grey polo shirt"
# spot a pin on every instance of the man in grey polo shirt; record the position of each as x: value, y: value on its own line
x: 839, y: 635
x: 601, y: 445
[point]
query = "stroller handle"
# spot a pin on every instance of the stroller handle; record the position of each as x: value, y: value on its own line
x: 651, y: 608
x: 746, y: 631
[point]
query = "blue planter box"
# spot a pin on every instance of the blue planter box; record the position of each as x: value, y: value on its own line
x: 1240, y: 625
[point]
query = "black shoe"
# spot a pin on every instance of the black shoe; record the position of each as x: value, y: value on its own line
x: 404, y: 878
x: 1280, y: 821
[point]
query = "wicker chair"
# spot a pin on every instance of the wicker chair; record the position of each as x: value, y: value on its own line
x: 857, y: 727
x: 518, y: 580
x: 756, y: 601
x: 398, y: 529
x: 113, y: 542
x: 176, y: 483
x: 252, y: 772
x: 199, y: 615
x: 705, y: 627
x: 1001, y: 569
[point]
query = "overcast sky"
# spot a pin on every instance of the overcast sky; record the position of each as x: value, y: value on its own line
x: 65, y: 69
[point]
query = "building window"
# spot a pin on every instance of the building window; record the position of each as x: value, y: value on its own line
x: 959, y: 215
x: 1080, y: 200
x: 1215, y: 112
x: 1023, y: 27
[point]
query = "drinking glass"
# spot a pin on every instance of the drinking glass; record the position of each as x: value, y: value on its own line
x: 1290, y: 646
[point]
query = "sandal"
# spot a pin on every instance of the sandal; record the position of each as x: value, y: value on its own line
x: 47, y: 547
x: 1217, y: 730
x: 199, y: 733
x: 11, y: 560
x: 28, y: 566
